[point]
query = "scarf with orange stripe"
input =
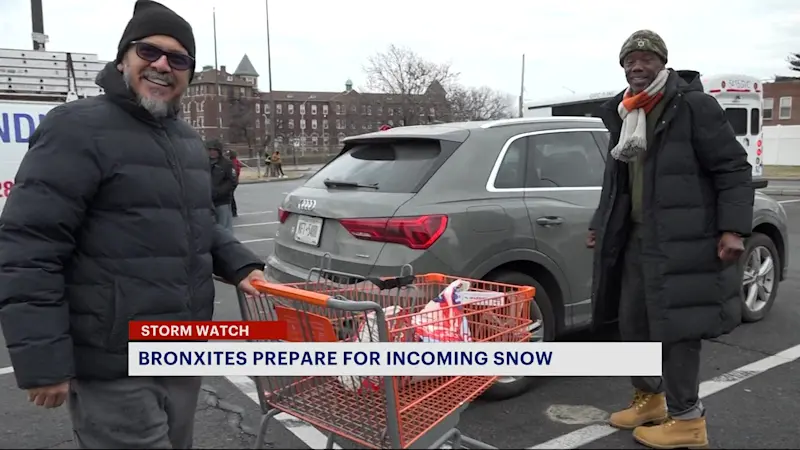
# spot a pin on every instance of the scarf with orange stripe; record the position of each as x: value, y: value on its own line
x: 633, y: 110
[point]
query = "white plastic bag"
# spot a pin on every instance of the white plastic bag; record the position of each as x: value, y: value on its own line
x: 368, y: 332
x: 443, y: 319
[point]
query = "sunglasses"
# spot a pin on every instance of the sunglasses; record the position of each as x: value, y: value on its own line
x: 151, y: 53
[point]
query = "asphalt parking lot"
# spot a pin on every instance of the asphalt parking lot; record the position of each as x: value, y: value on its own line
x: 750, y: 389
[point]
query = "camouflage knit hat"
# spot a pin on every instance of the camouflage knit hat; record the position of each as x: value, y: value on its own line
x: 644, y: 40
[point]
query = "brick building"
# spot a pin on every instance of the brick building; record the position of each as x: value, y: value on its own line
x: 782, y: 121
x: 326, y: 118
x: 240, y: 113
x: 223, y: 105
x: 779, y: 97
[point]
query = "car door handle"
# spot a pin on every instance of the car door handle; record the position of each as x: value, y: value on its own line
x: 549, y: 221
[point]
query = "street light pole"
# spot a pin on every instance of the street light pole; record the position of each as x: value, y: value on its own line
x: 37, y: 21
x: 522, y: 88
x: 217, y: 90
x: 272, y: 112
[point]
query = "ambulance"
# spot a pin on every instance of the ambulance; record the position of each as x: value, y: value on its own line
x: 32, y: 82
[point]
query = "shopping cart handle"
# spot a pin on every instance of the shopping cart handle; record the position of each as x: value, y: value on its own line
x: 392, y: 283
x: 279, y: 290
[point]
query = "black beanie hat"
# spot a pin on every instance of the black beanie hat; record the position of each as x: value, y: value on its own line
x: 152, y: 18
x: 213, y: 144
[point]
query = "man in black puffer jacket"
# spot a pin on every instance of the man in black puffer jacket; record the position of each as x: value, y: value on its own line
x: 677, y: 202
x: 111, y: 220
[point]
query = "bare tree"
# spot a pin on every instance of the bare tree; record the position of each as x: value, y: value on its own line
x: 478, y: 103
x: 242, y: 120
x: 794, y: 62
x: 402, y: 72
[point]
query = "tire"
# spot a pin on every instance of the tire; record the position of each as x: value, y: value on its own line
x: 516, y: 386
x: 759, y: 246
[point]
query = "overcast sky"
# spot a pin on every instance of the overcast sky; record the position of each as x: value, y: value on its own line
x: 319, y: 44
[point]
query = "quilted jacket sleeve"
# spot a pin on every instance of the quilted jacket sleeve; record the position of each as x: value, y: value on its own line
x: 721, y: 155
x: 55, y: 182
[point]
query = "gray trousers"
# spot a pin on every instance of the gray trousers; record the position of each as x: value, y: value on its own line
x: 224, y: 216
x: 681, y: 361
x: 135, y: 412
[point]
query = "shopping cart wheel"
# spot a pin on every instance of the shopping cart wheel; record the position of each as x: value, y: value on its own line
x: 542, y: 310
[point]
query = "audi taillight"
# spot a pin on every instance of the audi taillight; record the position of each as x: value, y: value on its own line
x: 417, y: 233
x: 282, y: 215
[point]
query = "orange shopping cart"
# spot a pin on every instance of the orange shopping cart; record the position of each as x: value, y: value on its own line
x: 381, y: 412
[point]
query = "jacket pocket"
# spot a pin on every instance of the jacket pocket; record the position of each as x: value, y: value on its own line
x: 117, y: 338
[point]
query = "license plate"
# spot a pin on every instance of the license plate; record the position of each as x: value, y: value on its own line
x: 738, y: 84
x: 308, y: 230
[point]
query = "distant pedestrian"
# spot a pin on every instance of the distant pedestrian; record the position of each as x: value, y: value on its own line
x: 676, y: 205
x: 267, y: 162
x: 223, y: 182
x: 277, y: 163
x: 111, y: 220
x: 237, y: 166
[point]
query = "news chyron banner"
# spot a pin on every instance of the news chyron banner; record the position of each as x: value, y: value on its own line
x: 225, y: 349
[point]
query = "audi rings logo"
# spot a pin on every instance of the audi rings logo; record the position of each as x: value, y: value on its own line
x: 306, y: 204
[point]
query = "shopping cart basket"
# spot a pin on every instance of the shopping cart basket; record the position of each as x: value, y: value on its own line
x: 399, y: 412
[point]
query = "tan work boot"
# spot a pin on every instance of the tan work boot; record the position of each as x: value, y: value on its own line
x: 674, y: 434
x: 646, y: 408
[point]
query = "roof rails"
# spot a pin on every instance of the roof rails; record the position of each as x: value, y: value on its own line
x: 519, y: 120
x: 48, y: 75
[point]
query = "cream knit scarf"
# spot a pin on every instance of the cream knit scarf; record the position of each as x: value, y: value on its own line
x: 633, y: 111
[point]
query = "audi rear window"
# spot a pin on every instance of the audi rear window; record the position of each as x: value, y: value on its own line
x: 391, y: 166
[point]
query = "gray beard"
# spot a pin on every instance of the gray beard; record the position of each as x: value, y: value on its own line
x: 157, y: 108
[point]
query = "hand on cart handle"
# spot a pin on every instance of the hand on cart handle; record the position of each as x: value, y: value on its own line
x: 279, y: 290
x: 247, y: 285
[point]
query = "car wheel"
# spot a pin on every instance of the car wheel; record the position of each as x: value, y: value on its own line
x: 759, y: 265
x: 544, y: 331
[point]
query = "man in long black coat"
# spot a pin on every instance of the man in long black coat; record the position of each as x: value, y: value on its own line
x: 677, y: 201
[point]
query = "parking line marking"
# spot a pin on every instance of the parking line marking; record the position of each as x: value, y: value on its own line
x: 795, y: 200
x: 586, y: 435
x: 6, y: 370
x: 257, y: 240
x: 256, y: 213
x: 305, y: 432
x: 254, y: 224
